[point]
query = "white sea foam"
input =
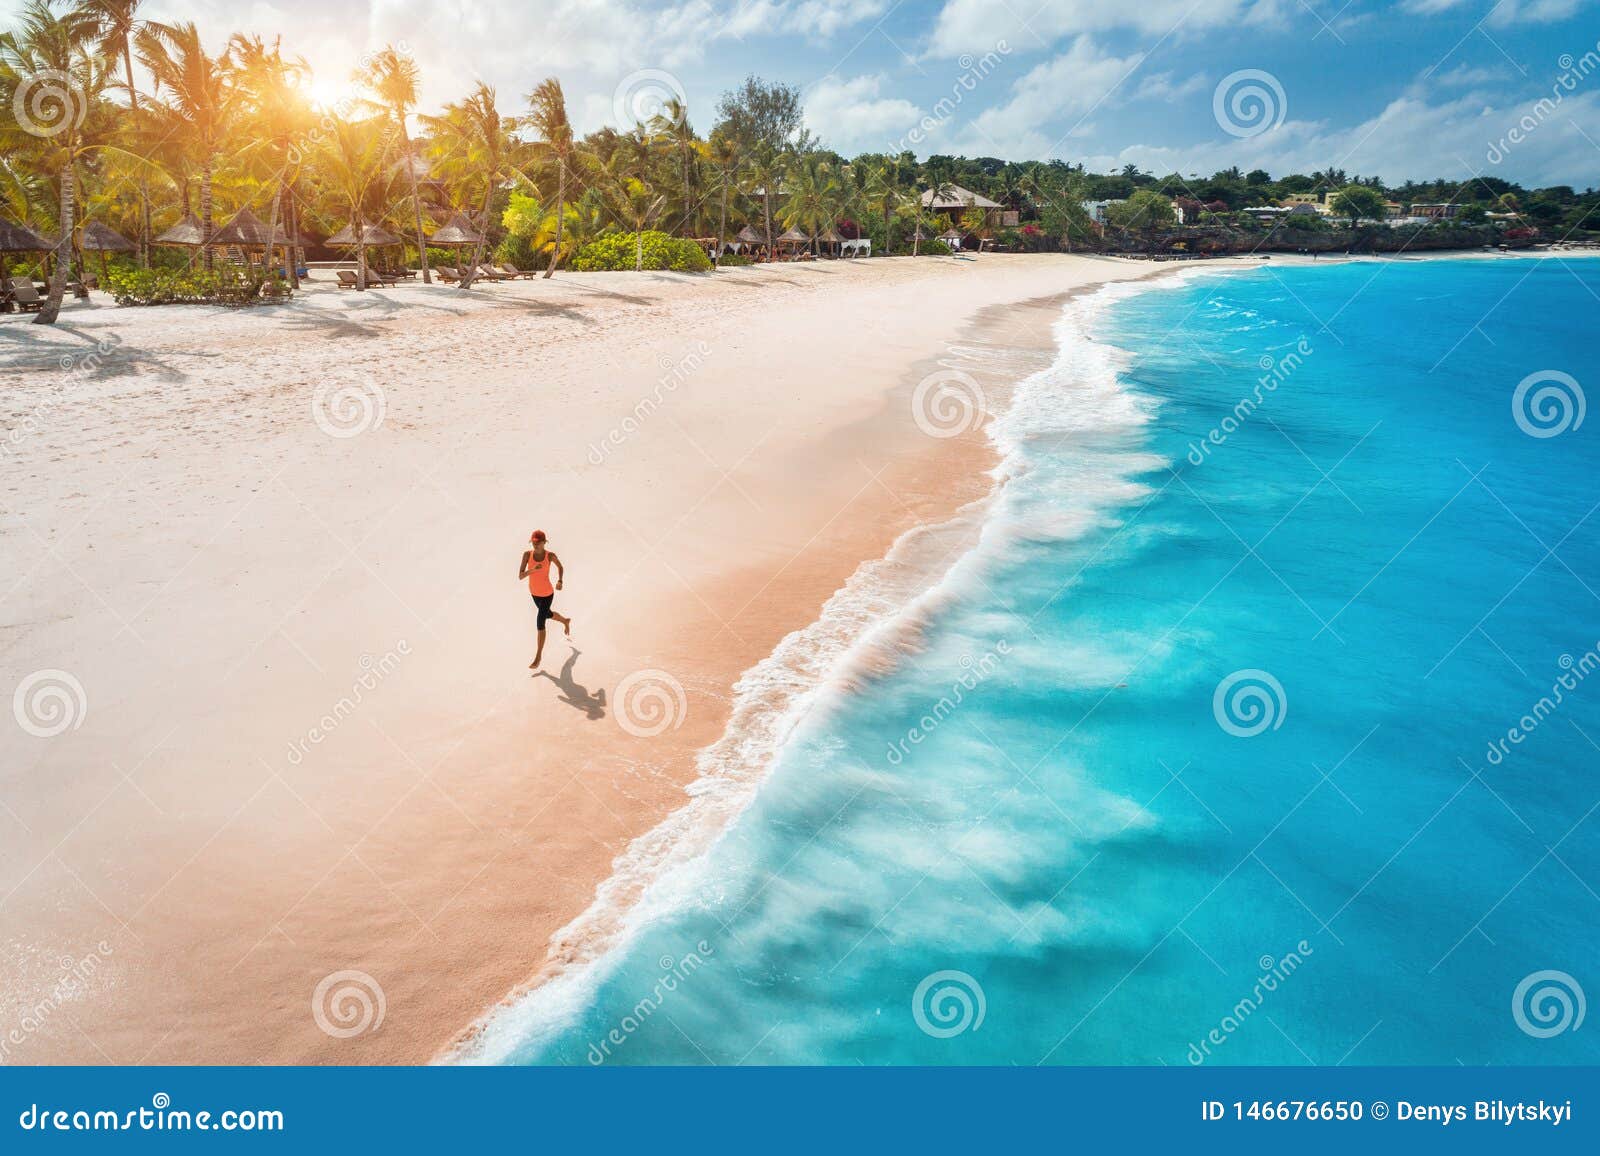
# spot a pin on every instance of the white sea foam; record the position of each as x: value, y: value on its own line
x: 1080, y: 394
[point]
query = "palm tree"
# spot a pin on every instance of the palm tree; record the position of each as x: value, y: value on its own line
x: 726, y: 156
x: 884, y: 195
x: 199, y: 99
x: 356, y: 167
x: 635, y: 202
x: 549, y: 118
x: 671, y: 128
x: 48, y: 68
x: 812, y: 198
x: 393, y: 78
x: 474, y: 140
x: 117, y: 24
x: 270, y: 88
x: 765, y: 172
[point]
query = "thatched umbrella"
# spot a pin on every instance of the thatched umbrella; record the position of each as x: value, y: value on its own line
x: 951, y: 237
x: 247, y: 231
x: 369, y: 235
x: 19, y: 239
x: 103, y: 239
x: 457, y: 233
x: 187, y: 232
x: 748, y: 236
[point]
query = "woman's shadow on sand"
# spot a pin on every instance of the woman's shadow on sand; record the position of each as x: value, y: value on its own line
x: 574, y: 693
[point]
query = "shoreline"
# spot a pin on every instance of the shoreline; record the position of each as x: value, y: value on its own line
x: 436, y: 838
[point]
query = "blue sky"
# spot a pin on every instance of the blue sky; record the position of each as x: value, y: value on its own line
x: 1417, y: 88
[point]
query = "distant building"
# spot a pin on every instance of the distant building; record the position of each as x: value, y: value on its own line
x: 1437, y: 212
x: 1313, y: 202
x: 955, y: 202
x: 1097, y: 209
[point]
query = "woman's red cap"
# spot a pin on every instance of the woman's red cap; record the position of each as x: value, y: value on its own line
x: 537, y: 536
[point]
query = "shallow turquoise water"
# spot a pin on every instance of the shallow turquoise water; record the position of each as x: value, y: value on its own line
x: 1114, y: 860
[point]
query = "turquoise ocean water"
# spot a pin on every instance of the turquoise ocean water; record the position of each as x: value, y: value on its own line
x: 1258, y: 727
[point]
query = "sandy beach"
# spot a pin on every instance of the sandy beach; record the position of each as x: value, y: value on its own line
x: 268, y: 652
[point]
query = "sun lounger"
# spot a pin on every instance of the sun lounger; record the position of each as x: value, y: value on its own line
x: 348, y: 279
x: 489, y: 273
x: 448, y: 276
x: 511, y: 270
x: 24, y: 296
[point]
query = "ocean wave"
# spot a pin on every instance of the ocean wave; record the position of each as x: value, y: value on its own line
x: 863, y: 626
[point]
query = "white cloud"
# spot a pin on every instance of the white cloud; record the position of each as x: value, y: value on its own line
x: 975, y: 25
x: 851, y: 116
x: 1505, y: 13
x: 1410, y: 139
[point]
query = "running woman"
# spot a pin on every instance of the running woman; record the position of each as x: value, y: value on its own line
x: 536, y: 563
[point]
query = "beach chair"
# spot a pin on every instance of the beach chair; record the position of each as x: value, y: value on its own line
x: 448, y: 275
x: 25, y: 296
x: 511, y: 270
x: 490, y: 273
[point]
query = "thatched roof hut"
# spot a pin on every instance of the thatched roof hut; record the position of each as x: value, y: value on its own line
x: 21, y: 239
x: 102, y: 238
x: 951, y: 236
x: 748, y: 236
x: 347, y: 237
x: 186, y: 232
x: 456, y: 231
x: 246, y: 230
x: 794, y: 237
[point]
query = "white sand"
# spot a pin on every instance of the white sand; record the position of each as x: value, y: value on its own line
x: 217, y: 572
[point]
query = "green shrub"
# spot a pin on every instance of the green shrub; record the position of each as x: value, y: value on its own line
x: 734, y: 260
x: 226, y: 286
x: 620, y: 251
x: 934, y: 248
